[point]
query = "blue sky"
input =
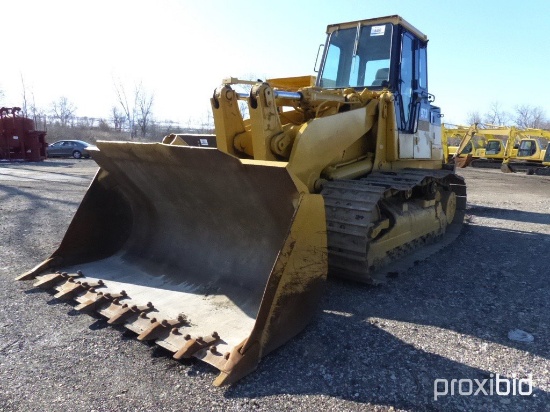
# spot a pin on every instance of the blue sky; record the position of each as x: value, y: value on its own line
x: 479, y: 52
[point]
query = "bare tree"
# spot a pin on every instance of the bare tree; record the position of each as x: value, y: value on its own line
x: 103, y: 125
x: 86, y: 122
x: 529, y: 116
x: 24, y: 106
x: 137, y: 108
x: 117, y: 118
x: 496, y: 116
x: 129, y: 107
x: 63, y: 110
x: 145, y: 103
x: 473, y: 117
x: 29, y: 107
x: 207, y: 122
x: 38, y: 115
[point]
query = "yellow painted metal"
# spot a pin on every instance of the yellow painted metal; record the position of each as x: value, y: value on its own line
x: 315, y: 146
x: 292, y: 83
x: 264, y: 120
x: 228, y: 119
x: 296, y: 282
x: 500, y: 143
x: 457, y: 141
x: 245, y: 220
x: 539, y: 140
x: 411, y: 221
x: 478, y: 141
x: 312, y: 145
x: 536, y: 139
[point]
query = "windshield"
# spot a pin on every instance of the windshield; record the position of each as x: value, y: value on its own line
x: 527, y: 148
x: 358, y: 57
x: 493, y: 147
x: 467, y: 148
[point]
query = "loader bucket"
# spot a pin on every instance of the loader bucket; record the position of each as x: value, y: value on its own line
x: 210, y: 256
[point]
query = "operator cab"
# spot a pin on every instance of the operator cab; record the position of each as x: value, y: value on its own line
x: 493, y: 147
x: 383, y: 53
x: 527, y: 148
x: 547, y: 154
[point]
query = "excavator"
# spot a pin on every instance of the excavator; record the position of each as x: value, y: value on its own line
x: 452, y: 135
x: 484, y: 145
x: 544, y: 170
x: 222, y: 254
x: 531, y: 153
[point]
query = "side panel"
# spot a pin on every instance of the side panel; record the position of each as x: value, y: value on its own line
x: 437, y: 147
x: 424, y: 144
x: 406, y: 145
x: 423, y: 141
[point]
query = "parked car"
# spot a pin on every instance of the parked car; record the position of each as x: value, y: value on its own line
x: 69, y: 148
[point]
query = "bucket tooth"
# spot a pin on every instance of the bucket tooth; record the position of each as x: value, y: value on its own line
x: 49, y: 281
x: 69, y: 289
x: 194, y: 345
x: 126, y: 311
x: 31, y: 274
x: 163, y: 327
x: 92, y: 299
x: 89, y: 285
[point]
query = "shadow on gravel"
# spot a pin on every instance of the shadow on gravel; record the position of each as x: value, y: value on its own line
x: 99, y: 324
x: 36, y: 199
x: 56, y: 178
x: 48, y: 163
x: 351, y: 352
x: 508, y: 214
x: 34, y: 291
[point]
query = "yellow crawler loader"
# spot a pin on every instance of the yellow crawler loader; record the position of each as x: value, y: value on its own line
x: 222, y: 253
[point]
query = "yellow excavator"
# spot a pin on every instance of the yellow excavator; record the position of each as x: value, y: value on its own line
x: 222, y: 253
x: 531, y: 153
x: 452, y: 135
x: 544, y: 170
x: 481, y: 145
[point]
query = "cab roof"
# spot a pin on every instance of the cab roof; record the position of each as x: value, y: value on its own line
x: 395, y: 19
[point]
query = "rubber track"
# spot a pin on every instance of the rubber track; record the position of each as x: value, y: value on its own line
x: 486, y: 164
x: 525, y: 167
x: 351, y: 208
x: 542, y: 171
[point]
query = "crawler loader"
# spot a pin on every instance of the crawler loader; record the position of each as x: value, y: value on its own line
x: 222, y: 253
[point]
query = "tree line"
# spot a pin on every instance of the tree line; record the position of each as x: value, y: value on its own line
x: 523, y: 116
x: 131, y: 117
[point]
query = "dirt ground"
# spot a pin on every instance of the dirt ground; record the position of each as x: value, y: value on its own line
x: 445, y: 324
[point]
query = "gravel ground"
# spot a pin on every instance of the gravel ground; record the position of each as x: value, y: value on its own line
x: 369, y: 348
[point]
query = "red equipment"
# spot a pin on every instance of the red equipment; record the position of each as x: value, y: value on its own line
x: 18, y: 138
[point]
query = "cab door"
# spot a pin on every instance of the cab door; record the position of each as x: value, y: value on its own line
x: 416, y: 134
